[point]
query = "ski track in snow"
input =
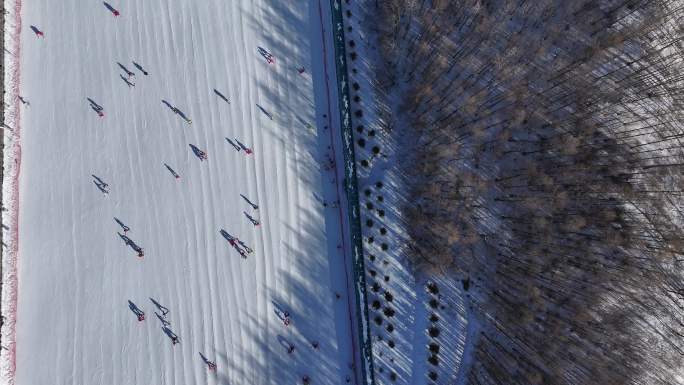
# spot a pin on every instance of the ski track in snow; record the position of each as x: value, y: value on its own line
x: 77, y: 275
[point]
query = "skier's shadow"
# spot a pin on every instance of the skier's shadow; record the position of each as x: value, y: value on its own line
x: 100, y: 187
x: 284, y: 342
x: 278, y: 310
x: 225, y: 234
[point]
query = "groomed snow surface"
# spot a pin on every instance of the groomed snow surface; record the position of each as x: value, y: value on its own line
x: 80, y: 283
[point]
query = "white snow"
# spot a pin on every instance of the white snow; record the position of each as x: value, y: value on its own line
x: 76, y: 275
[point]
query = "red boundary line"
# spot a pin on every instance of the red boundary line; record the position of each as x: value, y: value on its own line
x: 339, y: 206
x: 12, y: 254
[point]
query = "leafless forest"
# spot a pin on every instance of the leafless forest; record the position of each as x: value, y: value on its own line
x: 544, y: 166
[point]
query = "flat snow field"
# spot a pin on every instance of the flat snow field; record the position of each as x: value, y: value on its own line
x: 76, y: 276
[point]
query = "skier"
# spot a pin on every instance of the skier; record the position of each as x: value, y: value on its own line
x: 254, y: 206
x: 211, y: 365
x: 314, y: 344
x: 306, y: 380
x: 174, y: 173
x: 177, y: 111
x: 265, y: 112
x: 242, y: 146
x: 301, y: 70
x: 126, y: 70
x: 220, y: 95
x: 100, y: 184
x: 162, y: 319
x: 286, y: 318
x: 96, y: 107
x: 249, y: 250
x: 170, y: 334
x: 139, y: 67
x: 267, y: 55
x: 199, y: 153
x: 235, y: 146
x: 139, y: 313
x: 290, y: 349
x: 123, y: 226
x: 128, y: 82
x: 159, y: 306
x: 111, y: 9
x: 38, y: 32
x: 254, y: 221
x: 24, y: 101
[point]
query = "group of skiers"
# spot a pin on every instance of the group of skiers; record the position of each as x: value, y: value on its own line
x: 128, y: 77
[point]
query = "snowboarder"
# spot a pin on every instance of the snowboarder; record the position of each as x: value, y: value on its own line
x: 111, y: 9
x: 199, y: 153
x: 38, y: 32
x: 139, y: 67
x: 254, y: 206
x: 251, y: 219
x: 174, y: 173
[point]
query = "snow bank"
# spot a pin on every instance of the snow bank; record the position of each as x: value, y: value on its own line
x: 10, y: 189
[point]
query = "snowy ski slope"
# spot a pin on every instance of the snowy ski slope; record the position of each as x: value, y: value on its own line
x: 74, y: 323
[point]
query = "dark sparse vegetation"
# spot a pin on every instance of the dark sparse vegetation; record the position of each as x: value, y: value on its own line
x: 543, y: 160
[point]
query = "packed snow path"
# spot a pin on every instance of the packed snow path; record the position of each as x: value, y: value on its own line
x: 149, y: 156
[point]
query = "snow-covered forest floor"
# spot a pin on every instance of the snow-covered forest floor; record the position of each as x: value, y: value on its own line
x: 535, y: 160
x: 418, y: 317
